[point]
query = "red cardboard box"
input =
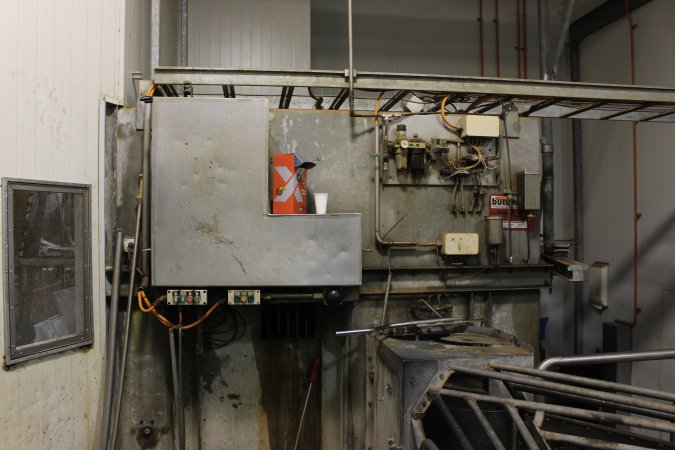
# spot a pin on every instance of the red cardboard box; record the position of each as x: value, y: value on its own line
x: 289, y: 184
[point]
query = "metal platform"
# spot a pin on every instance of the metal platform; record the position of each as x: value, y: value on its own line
x: 475, y: 95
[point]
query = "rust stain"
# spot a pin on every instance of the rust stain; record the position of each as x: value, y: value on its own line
x: 211, y: 232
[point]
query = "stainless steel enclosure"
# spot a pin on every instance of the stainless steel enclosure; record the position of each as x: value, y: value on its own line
x: 210, y: 202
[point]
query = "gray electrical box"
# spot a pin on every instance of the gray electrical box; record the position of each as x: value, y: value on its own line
x: 529, y: 191
x: 210, y: 203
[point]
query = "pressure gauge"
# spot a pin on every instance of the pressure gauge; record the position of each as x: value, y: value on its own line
x: 404, y: 143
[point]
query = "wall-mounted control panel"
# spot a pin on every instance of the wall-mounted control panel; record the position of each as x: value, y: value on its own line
x: 243, y: 297
x: 186, y: 297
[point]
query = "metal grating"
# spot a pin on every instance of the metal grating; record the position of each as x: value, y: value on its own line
x: 48, y: 284
x: 535, y: 98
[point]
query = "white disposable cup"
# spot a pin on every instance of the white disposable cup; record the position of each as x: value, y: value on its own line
x: 321, y: 201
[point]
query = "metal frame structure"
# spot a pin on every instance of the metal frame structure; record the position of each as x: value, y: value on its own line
x: 47, y: 347
x: 602, y: 410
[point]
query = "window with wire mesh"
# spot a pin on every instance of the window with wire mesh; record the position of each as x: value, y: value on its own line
x: 48, y: 268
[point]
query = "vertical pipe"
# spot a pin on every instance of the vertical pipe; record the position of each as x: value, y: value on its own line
x: 350, y: 33
x: 518, y: 44
x: 564, y: 31
x: 578, y: 194
x: 154, y: 35
x: 184, y: 33
x: 547, y: 193
x: 112, y: 340
x: 497, y: 37
x: 125, y: 346
x: 145, y: 225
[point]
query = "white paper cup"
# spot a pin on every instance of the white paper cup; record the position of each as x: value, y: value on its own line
x: 321, y: 201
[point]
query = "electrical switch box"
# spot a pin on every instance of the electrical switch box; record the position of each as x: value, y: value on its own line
x: 459, y: 243
x: 186, y: 297
x: 479, y: 126
x: 598, y: 294
x: 243, y: 297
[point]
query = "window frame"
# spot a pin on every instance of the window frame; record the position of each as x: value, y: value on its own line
x: 86, y: 337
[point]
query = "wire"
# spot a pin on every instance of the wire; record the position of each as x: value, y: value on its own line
x: 445, y: 119
x: 145, y: 306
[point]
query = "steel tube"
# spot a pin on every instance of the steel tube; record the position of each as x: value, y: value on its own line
x: 564, y: 32
x: 386, y: 299
x: 522, y: 428
x: 606, y: 358
x: 492, y: 434
x: 184, y: 33
x: 642, y: 422
x: 590, y: 382
x: 127, y: 326
x: 145, y: 224
x: 565, y: 389
x: 584, y: 442
x: 112, y: 340
x: 450, y: 419
x: 350, y: 33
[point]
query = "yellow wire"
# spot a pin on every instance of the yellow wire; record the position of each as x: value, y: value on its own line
x: 445, y: 119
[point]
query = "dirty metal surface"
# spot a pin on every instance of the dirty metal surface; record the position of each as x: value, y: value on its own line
x: 210, y: 201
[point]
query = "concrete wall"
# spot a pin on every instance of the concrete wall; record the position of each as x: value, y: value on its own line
x: 608, y: 185
x: 59, y: 60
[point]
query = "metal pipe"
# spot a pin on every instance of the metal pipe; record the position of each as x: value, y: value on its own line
x: 127, y: 325
x: 145, y: 225
x: 584, y: 442
x: 450, y: 419
x: 522, y: 428
x: 184, y: 33
x: 606, y: 358
x: 428, y: 444
x: 578, y: 195
x: 590, y: 382
x: 386, y: 299
x: 112, y: 339
x: 350, y: 33
x: 566, y: 389
x: 492, y: 434
x: 177, y: 404
x: 642, y: 422
x: 564, y: 31
x: 547, y: 194
x: 155, y: 20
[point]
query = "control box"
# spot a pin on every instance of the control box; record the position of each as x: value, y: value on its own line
x: 186, y: 297
x: 459, y: 243
x: 479, y: 126
x: 243, y: 297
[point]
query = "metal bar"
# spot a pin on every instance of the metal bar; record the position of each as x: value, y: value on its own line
x: 386, y: 299
x: 286, y: 96
x: 228, y: 91
x: 350, y: 36
x: 586, y: 442
x: 642, y: 422
x: 487, y: 108
x: 339, y: 99
x: 606, y: 358
x: 590, y: 382
x: 658, y: 116
x: 540, y: 106
x: 522, y: 429
x: 127, y: 326
x: 492, y: 434
x: 112, y: 340
x: 628, y: 111
x: 155, y: 6
x: 564, y: 31
x: 145, y: 222
x: 394, y: 100
x: 415, y: 323
x: 574, y: 390
x: 462, y: 85
x: 184, y: 33
x: 177, y: 403
x: 450, y: 419
x: 584, y: 109
x: 578, y: 206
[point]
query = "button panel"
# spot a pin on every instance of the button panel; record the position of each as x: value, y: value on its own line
x: 243, y: 297
x: 186, y: 297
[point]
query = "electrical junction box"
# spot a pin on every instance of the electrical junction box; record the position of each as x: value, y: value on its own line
x: 479, y: 126
x: 243, y: 297
x: 459, y: 243
x: 186, y: 297
x: 598, y: 294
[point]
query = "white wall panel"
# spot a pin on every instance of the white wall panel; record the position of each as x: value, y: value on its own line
x: 261, y: 34
x: 59, y: 59
x: 608, y: 186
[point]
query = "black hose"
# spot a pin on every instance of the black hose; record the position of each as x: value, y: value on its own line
x: 428, y: 444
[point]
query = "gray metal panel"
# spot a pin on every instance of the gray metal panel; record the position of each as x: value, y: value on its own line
x: 209, y: 201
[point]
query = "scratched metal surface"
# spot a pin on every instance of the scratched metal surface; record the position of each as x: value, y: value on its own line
x: 209, y: 204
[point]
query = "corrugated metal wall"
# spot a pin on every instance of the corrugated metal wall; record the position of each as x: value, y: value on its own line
x: 261, y: 34
x: 59, y: 59
x: 608, y: 184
